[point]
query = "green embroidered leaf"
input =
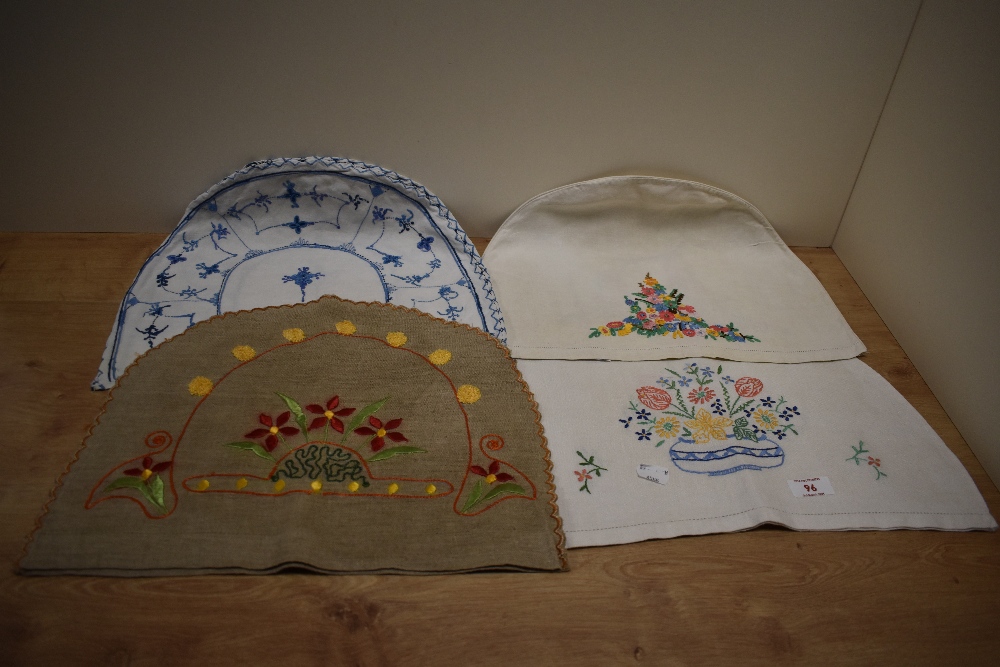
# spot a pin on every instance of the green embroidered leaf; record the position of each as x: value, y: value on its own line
x: 362, y: 415
x: 741, y: 431
x: 474, y: 496
x: 396, y: 451
x: 659, y: 443
x: 507, y: 487
x: 594, y: 333
x: 296, y: 409
x: 253, y: 447
x: 154, y: 491
x: 125, y: 483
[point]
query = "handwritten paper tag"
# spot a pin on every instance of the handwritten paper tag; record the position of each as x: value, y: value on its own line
x: 652, y: 473
x: 814, y: 486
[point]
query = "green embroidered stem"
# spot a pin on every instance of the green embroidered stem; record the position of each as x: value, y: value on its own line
x: 363, y: 414
x: 252, y: 447
x: 858, y: 451
x: 584, y: 475
x: 296, y: 410
x: 151, y: 489
x: 395, y: 451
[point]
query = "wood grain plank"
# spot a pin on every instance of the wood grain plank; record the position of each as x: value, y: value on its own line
x: 768, y: 596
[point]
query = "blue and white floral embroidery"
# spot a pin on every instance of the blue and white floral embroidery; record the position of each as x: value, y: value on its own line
x: 276, y: 208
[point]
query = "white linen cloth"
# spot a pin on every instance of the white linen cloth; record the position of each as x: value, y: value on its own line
x: 741, y: 446
x: 292, y: 230
x: 590, y: 270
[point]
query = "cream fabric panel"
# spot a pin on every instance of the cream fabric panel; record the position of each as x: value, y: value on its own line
x: 116, y: 114
x: 922, y: 231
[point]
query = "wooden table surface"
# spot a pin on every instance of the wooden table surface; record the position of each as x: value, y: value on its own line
x: 766, y: 596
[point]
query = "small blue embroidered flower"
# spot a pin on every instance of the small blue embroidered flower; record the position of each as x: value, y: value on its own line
x: 727, y: 379
x: 163, y: 278
x: 290, y: 194
x: 767, y: 402
x: 642, y: 414
x: 379, y: 213
x: 355, y: 199
x: 451, y: 312
x: 780, y: 433
x: 176, y: 259
x: 405, y: 221
x: 303, y: 278
x: 155, y: 309
x: 684, y: 381
x: 150, y: 333
x: 626, y: 422
x: 434, y: 263
x: 692, y: 368
x: 717, y: 407
x: 189, y: 245
x: 297, y: 224
x: 425, y: 243
x: 190, y: 292
x: 219, y: 231
x: 788, y: 413
x: 447, y: 292
x: 644, y: 434
x: 317, y: 196
x: 707, y: 372
x: 205, y: 270
x: 262, y: 201
x: 395, y: 260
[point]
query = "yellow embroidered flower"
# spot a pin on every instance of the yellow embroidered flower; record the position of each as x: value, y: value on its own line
x: 294, y: 335
x: 440, y: 357
x: 705, y: 427
x: 765, y: 418
x: 430, y: 489
x: 604, y: 331
x: 396, y: 338
x: 244, y: 352
x: 279, y: 485
x: 203, y: 485
x: 393, y: 488
x: 678, y: 333
x: 650, y: 281
x: 353, y: 486
x: 200, y: 386
x: 346, y: 327
x: 316, y: 485
x: 626, y: 330
x: 667, y: 427
x: 241, y: 483
x: 468, y: 393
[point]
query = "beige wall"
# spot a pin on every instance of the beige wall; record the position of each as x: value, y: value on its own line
x: 921, y: 234
x: 117, y: 114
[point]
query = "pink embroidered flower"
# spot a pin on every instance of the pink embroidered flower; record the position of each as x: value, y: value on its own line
x: 648, y: 324
x: 381, y: 431
x: 654, y: 398
x: 872, y: 461
x: 273, y: 428
x: 701, y: 395
x: 149, y: 468
x: 748, y: 387
x: 648, y: 291
x: 493, y: 474
x: 582, y: 476
x: 685, y: 309
x: 330, y: 415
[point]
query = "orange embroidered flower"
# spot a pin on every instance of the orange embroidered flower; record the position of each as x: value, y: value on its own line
x: 493, y: 474
x: 274, y: 428
x: 701, y: 395
x: 381, y: 431
x: 749, y: 387
x: 872, y: 461
x: 582, y: 476
x: 330, y: 415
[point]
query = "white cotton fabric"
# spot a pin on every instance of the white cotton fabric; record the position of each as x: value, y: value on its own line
x: 585, y: 408
x: 563, y: 263
x: 291, y: 230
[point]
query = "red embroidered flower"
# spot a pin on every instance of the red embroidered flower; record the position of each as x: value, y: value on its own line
x: 748, y: 387
x: 493, y: 474
x: 582, y: 476
x: 654, y: 398
x: 330, y: 415
x: 616, y: 325
x: 701, y: 395
x: 381, y: 432
x: 148, y: 468
x: 689, y: 332
x: 648, y: 291
x: 274, y: 427
x: 872, y: 461
x: 685, y: 309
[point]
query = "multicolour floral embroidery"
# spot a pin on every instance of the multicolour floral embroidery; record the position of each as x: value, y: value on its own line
x: 700, y: 410
x: 655, y: 312
x: 874, y: 463
x: 589, y: 469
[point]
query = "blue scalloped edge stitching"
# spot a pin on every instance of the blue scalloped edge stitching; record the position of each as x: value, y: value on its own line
x: 360, y: 168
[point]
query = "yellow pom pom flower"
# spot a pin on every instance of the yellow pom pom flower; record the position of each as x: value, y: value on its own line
x: 468, y: 393
x: 241, y: 483
x: 346, y: 327
x: 279, y: 485
x: 200, y: 386
x: 440, y: 357
x: 396, y: 338
x: 203, y: 485
x: 294, y: 335
x: 393, y: 488
x: 353, y: 486
x: 244, y: 352
x: 430, y: 489
x: 316, y: 485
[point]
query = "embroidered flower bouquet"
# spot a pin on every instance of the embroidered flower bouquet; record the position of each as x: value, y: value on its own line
x: 714, y: 424
x: 656, y: 312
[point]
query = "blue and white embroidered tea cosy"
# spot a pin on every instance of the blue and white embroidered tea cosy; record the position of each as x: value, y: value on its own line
x: 635, y: 267
x: 292, y: 230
